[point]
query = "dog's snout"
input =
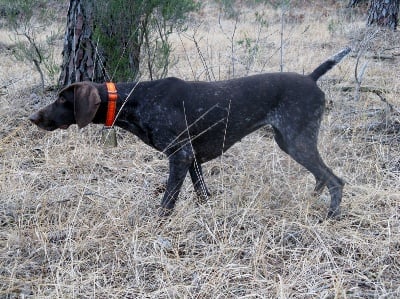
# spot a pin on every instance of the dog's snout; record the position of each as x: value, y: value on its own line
x: 35, y: 118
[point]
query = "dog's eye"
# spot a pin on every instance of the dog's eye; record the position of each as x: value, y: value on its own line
x: 61, y: 100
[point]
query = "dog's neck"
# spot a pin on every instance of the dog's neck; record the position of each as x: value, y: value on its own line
x: 127, y: 118
x: 123, y: 91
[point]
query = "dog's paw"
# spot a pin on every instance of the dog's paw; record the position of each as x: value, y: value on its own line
x: 334, y: 214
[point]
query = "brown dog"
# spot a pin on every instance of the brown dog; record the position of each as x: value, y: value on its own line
x: 194, y: 122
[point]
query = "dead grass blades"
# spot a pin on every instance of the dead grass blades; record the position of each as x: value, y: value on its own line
x: 79, y: 221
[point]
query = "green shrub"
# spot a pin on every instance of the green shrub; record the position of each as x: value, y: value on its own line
x: 130, y: 31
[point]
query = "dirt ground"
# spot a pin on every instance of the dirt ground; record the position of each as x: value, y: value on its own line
x: 78, y: 220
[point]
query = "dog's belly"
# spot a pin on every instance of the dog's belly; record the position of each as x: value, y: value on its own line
x: 210, y: 152
x: 213, y: 144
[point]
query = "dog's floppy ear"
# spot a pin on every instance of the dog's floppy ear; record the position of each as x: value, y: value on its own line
x: 86, y: 101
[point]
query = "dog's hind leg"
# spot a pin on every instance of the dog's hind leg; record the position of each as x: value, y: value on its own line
x: 196, y: 174
x: 319, y: 187
x: 303, y: 149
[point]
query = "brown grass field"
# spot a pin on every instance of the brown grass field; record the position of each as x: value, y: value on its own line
x: 78, y: 220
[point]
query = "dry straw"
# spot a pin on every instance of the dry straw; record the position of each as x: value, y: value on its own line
x: 79, y: 221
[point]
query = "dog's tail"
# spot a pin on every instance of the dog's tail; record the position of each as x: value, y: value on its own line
x: 330, y: 63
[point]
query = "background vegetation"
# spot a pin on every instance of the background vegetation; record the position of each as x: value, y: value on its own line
x: 132, y: 31
x: 33, y: 30
x: 79, y: 221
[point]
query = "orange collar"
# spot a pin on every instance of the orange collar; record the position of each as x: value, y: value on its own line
x: 112, y: 104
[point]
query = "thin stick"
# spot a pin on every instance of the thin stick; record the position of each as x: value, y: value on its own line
x: 281, y: 36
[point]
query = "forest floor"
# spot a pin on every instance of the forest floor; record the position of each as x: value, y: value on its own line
x: 79, y: 221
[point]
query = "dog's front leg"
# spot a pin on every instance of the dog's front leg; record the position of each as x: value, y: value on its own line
x: 179, y: 164
x: 196, y: 174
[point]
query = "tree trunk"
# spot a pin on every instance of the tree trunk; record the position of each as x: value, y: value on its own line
x: 384, y: 13
x: 110, y: 34
x: 80, y: 57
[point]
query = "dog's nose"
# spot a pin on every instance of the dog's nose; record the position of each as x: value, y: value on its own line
x: 35, y: 118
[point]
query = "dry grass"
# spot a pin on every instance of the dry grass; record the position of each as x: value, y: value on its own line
x: 79, y: 221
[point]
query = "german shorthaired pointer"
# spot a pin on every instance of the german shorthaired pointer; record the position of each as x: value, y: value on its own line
x: 194, y: 122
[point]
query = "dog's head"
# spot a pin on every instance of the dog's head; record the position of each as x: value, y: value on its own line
x: 76, y: 104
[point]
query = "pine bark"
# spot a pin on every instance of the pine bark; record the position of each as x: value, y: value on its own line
x: 80, y: 60
x: 384, y: 13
